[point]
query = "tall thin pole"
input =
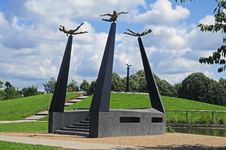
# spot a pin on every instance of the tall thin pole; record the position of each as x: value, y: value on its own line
x: 127, y: 84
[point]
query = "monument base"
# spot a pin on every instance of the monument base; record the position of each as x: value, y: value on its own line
x: 57, y: 120
x: 127, y: 122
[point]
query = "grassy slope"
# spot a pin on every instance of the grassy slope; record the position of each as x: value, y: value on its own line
x: 17, y: 109
x: 142, y: 101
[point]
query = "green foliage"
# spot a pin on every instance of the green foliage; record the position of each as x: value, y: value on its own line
x: 84, y: 85
x: 51, y: 84
x: 138, y: 83
x: 1, y: 84
x: 200, y: 88
x: 20, y: 146
x: 116, y: 83
x: 220, y: 19
x: 8, y: 85
x: 2, y: 95
x: 11, y: 93
x: 223, y: 82
x: 92, y: 87
x: 72, y: 85
x: 30, y: 91
x: 177, y: 87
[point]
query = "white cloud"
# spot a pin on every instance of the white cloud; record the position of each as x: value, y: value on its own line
x: 32, y: 47
x: 209, y: 19
x: 162, y: 12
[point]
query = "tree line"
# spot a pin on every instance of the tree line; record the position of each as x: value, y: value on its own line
x: 196, y: 87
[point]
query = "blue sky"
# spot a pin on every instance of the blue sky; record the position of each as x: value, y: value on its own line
x: 31, y: 45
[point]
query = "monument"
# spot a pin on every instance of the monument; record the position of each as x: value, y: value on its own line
x: 124, y: 122
x: 56, y: 111
x: 99, y: 120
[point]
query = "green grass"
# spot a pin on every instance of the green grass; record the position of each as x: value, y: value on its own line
x: 20, y: 146
x: 123, y: 100
x: 24, y: 127
x: 16, y: 109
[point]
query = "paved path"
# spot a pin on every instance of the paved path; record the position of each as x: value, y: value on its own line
x: 66, y: 144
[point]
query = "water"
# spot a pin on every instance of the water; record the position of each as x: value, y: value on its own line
x: 201, y: 131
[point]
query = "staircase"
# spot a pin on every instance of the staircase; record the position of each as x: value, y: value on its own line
x: 81, y: 128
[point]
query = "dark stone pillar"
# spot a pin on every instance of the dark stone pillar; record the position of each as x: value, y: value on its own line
x: 127, y: 84
x: 154, y: 95
x: 57, y: 104
x: 101, y: 96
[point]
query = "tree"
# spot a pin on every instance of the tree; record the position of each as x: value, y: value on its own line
x: 50, y: 85
x: 85, y: 86
x: 220, y: 19
x: 8, y: 85
x: 177, y: 87
x: 30, y: 91
x: 198, y: 87
x: 72, y: 85
x: 223, y: 82
x: 116, y: 83
x: 2, y: 92
x: 11, y: 93
x: 1, y: 84
x: 92, y: 87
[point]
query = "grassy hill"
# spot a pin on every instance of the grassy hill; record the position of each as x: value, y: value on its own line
x: 123, y: 100
x: 19, y: 108
x: 16, y: 109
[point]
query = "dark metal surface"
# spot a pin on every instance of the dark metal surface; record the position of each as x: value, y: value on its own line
x: 127, y: 84
x: 101, y: 97
x: 154, y: 95
x: 58, y: 100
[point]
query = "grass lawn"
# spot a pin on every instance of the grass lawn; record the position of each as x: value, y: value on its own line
x: 16, y: 109
x: 24, y: 127
x: 123, y: 100
x: 20, y: 146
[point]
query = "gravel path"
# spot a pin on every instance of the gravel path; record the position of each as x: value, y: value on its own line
x: 167, y: 141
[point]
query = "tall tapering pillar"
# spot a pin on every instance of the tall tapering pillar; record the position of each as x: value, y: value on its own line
x: 58, y: 100
x: 101, y: 96
x: 154, y: 95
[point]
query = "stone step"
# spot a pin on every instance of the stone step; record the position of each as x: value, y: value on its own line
x: 74, y: 101
x: 84, y: 121
x: 81, y: 124
x: 75, y: 129
x: 78, y: 126
x: 67, y: 104
x: 71, y: 132
x: 42, y: 113
x: 81, y: 97
x: 34, y: 118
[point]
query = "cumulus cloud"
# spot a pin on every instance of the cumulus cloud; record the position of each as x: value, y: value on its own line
x: 32, y: 47
x: 162, y: 13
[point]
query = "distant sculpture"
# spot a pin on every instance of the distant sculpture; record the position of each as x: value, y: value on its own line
x: 128, y: 65
x: 72, y: 31
x: 138, y: 34
x: 113, y: 16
